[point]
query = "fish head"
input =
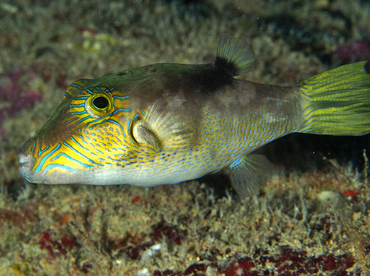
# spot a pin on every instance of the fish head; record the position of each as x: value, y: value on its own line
x: 93, y: 129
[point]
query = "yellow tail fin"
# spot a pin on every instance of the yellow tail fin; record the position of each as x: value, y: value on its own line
x: 337, y: 102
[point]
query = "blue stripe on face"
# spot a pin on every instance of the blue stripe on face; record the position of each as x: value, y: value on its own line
x: 77, y: 113
x: 84, y: 156
x: 33, y: 146
x: 70, y: 121
x: 128, y: 125
x: 128, y: 129
x: 74, y: 140
x: 83, y: 97
x: 83, y: 119
x: 89, y: 91
x: 99, y: 119
x: 77, y: 105
x: 72, y: 159
x: 120, y: 97
x: 43, y: 159
x: 40, y: 150
x: 114, y: 122
x: 61, y: 166
x: 106, y: 116
x: 122, y: 110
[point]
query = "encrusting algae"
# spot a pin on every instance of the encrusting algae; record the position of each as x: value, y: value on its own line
x: 167, y: 123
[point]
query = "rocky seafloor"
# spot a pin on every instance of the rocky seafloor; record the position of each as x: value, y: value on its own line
x: 311, y: 218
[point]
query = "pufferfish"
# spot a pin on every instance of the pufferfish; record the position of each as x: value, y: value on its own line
x: 167, y: 123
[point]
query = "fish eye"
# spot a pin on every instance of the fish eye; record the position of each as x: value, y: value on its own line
x: 100, y: 102
x: 99, y: 105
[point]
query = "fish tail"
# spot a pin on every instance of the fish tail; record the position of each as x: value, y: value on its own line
x: 337, y: 102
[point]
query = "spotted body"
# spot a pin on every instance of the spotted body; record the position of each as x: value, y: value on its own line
x: 166, y: 123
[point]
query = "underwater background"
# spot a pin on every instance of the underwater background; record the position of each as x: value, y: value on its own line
x: 311, y: 218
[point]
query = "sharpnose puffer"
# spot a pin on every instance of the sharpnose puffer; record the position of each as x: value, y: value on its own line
x: 166, y: 123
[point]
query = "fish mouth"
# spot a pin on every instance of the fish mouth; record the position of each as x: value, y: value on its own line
x: 27, y: 171
x: 25, y: 160
x: 26, y: 163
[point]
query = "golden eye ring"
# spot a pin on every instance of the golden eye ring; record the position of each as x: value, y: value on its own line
x: 99, y: 105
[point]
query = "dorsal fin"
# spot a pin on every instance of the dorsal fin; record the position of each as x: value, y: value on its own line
x: 234, y: 55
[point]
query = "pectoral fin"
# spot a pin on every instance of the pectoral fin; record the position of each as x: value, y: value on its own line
x: 164, y: 121
x: 249, y: 173
x: 145, y: 136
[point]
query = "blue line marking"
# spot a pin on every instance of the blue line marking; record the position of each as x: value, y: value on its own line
x: 33, y: 146
x: 43, y: 160
x: 71, y: 158
x: 72, y: 148
x: 122, y: 109
x: 98, y: 130
x: 77, y: 113
x: 83, y: 119
x: 74, y: 140
x: 128, y: 125
x: 64, y: 167
x: 102, y: 118
x: 89, y: 91
x: 42, y: 151
x: 77, y: 105
x: 120, y: 97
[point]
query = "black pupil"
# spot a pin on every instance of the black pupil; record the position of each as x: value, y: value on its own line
x: 101, y: 102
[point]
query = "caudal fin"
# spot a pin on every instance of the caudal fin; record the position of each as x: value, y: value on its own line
x: 337, y: 102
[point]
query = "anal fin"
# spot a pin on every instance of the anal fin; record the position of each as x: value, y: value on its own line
x: 249, y: 173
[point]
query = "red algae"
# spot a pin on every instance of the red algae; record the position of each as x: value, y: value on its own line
x: 136, y: 199
x: 160, y: 230
x: 17, y: 218
x: 195, y: 268
x: 69, y: 242
x: 288, y: 262
x: 358, y: 50
x: 86, y: 268
x: 172, y: 233
x: 16, y: 93
x: 134, y: 252
x: 242, y: 267
x: 54, y: 248
x: 352, y: 195
x: 169, y: 272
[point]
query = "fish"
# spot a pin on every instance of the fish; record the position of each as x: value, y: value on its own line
x: 167, y: 123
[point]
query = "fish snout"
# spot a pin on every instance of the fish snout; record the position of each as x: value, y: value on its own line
x: 26, y: 164
x: 27, y: 161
